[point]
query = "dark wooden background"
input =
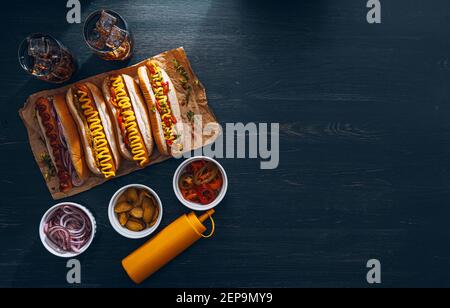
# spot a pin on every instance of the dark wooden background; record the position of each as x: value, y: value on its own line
x: 364, y: 173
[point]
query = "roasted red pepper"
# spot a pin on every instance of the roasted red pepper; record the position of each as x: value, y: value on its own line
x: 165, y: 86
x: 190, y: 195
x: 197, y: 165
x: 186, y: 181
x: 205, y: 195
x: 122, y: 128
x: 216, y: 184
x: 167, y: 121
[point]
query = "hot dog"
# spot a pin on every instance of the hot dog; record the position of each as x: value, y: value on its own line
x: 164, y: 110
x: 62, y: 140
x: 89, y: 110
x: 130, y: 118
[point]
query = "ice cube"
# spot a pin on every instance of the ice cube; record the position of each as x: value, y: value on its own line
x: 38, y: 47
x: 105, y: 23
x: 64, y: 69
x: 42, y: 66
x: 64, y: 60
x: 55, y: 58
x: 97, y: 39
x: 53, y: 48
x: 116, y: 37
x: 62, y: 72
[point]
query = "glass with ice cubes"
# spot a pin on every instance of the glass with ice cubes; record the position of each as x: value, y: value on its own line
x: 108, y: 35
x: 46, y: 58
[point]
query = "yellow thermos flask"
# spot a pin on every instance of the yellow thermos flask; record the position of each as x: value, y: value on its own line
x: 166, y: 245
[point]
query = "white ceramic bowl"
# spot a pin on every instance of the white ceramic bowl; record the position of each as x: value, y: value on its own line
x: 115, y: 221
x: 192, y: 205
x: 56, y: 251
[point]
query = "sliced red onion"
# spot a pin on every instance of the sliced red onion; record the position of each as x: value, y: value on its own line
x: 66, y: 159
x: 60, y: 128
x: 61, y: 137
x: 76, y: 181
x: 53, y: 111
x: 67, y: 209
x: 70, y: 168
x: 61, y: 219
x: 68, y: 228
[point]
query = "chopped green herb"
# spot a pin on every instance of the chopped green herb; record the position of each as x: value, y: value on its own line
x: 190, y: 115
x: 184, y: 83
x: 51, y: 170
x: 184, y: 79
x: 188, y: 94
x: 180, y: 69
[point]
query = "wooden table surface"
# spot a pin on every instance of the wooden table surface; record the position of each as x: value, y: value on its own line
x: 364, y: 113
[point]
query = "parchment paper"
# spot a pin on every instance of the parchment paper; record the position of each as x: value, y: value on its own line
x: 191, y: 96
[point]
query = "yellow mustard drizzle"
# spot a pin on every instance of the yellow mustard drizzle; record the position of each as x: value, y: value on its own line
x: 129, y: 119
x: 100, y: 147
x: 158, y: 90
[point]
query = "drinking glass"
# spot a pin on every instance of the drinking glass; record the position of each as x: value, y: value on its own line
x: 45, y: 58
x: 108, y: 35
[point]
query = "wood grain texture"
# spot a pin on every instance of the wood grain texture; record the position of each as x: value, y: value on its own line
x: 364, y: 115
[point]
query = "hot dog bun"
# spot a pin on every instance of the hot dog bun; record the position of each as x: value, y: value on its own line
x: 129, y: 117
x: 70, y: 132
x: 62, y: 141
x: 88, y: 108
x: 168, y: 136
